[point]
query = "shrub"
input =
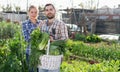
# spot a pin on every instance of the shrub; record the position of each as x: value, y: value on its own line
x: 80, y: 37
x: 7, y: 30
x: 93, y: 38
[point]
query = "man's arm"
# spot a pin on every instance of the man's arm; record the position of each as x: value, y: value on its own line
x: 63, y: 31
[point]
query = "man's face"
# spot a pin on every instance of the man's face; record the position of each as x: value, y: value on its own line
x: 50, y: 12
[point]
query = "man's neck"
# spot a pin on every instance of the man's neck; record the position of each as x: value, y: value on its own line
x: 50, y: 21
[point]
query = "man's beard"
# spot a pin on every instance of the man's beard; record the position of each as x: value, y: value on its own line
x: 50, y: 17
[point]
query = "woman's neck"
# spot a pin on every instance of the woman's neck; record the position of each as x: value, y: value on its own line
x: 33, y: 21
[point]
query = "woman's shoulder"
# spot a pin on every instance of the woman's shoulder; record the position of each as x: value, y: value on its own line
x: 25, y: 22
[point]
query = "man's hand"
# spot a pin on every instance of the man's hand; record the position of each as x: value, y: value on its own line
x: 51, y: 39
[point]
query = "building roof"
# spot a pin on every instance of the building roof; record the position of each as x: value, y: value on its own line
x: 20, y: 12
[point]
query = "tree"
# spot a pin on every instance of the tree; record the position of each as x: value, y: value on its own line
x: 17, y: 8
x: 40, y: 8
x: 9, y: 7
x: 3, y: 8
x: 92, y: 5
x: 82, y: 23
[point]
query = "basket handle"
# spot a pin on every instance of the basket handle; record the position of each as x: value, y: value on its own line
x: 48, y: 47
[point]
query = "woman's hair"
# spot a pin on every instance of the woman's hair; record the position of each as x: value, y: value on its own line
x: 31, y: 7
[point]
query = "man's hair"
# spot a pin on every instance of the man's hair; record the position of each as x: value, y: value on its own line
x: 49, y: 5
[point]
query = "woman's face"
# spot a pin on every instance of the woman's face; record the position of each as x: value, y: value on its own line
x: 33, y: 13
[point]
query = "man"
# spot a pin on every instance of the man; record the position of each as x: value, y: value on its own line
x: 54, y: 27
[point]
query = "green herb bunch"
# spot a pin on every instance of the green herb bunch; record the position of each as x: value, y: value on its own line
x: 39, y: 41
x: 57, y: 47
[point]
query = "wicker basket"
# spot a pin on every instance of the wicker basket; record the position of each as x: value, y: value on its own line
x: 50, y: 62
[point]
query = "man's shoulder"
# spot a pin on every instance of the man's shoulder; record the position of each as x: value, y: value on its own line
x: 60, y: 21
x: 43, y: 22
x: 39, y: 20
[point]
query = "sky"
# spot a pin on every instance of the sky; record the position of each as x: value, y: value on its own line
x: 59, y: 4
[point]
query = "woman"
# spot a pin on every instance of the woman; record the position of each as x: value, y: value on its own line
x: 28, y: 26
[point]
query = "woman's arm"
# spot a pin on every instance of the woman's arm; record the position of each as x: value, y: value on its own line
x: 25, y: 31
